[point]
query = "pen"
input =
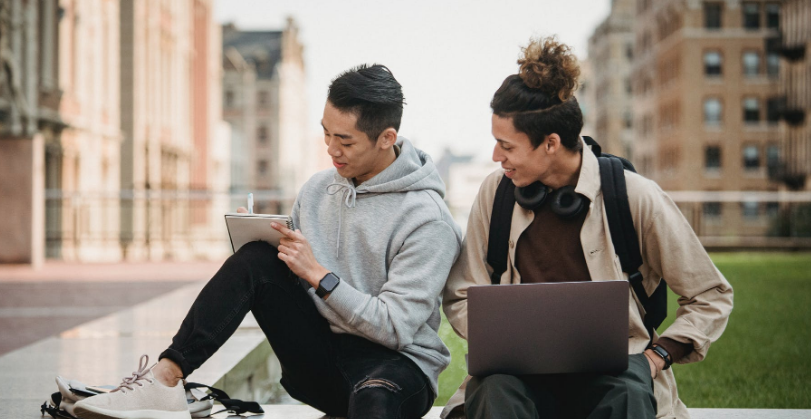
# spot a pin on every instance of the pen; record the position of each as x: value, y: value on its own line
x: 250, y: 203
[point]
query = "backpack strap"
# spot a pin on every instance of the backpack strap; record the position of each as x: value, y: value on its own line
x: 595, y: 148
x: 626, y: 244
x: 500, y: 221
x: 232, y: 405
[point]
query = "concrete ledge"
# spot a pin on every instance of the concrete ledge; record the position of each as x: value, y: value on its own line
x: 306, y: 412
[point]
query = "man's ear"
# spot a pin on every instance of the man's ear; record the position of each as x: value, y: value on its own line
x: 553, y: 143
x: 387, y: 138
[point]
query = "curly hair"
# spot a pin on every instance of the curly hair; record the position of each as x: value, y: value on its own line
x: 540, y: 98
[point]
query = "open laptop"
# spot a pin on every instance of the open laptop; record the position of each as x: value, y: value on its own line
x: 548, y: 328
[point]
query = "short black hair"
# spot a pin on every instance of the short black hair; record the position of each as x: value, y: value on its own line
x: 372, y: 94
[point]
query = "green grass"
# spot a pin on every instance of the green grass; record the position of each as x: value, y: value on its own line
x: 763, y: 360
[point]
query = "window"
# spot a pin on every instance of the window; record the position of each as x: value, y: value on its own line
x: 751, y: 63
x: 751, y: 15
x: 629, y: 119
x: 712, y: 63
x: 773, y: 110
x: 773, y: 64
x: 712, y: 209
x: 229, y: 99
x: 262, y: 134
x: 772, y: 208
x: 750, y: 209
x: 712, y: 158
x: 263, y: 167
x: 772, y: 156
x: 712, y: 111
x: 262, y: 99
x: 751, y: 110
x: 629, y: 51
x: 712, y: 15
x: 773, y: 16
x: 751, y: 157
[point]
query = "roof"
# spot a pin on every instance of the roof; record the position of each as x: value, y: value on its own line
x: 261, y: 49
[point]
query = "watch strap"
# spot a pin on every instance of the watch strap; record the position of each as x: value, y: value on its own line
x: 664, y: 354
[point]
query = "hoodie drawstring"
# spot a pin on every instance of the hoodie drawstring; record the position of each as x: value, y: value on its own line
x: 349, y: 198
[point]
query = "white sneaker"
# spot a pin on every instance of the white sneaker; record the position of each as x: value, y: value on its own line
x: 141, y: 396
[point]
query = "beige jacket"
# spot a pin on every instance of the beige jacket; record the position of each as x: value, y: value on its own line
x: 670, y: 249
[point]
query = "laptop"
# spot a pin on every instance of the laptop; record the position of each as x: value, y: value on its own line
x: 548, y: 328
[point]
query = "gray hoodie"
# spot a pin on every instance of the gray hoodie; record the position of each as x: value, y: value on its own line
x: 392, y: 242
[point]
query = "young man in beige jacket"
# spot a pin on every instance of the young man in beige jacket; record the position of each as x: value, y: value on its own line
x: 536, y: 124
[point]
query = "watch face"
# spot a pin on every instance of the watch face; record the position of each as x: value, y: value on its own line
x: 329, y: 282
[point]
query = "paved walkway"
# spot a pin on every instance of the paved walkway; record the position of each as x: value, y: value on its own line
x: 36, y: 304
x: 110, y: 272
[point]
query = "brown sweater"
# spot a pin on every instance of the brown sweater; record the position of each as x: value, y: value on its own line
x: 549, y: 250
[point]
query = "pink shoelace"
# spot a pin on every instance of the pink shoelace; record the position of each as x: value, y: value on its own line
x: 137, y: 376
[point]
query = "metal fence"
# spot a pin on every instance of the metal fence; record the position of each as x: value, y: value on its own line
x: 733, y: 220
x: 189, y: 224
x: 162, y: 224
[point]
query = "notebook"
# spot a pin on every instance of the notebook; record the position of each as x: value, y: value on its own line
x: 245, y: 228
x: 548, y: 328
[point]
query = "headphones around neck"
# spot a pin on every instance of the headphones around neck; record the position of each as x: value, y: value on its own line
x: 566, y: 203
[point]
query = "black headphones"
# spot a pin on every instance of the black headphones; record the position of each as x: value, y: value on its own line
x: 566, y: 203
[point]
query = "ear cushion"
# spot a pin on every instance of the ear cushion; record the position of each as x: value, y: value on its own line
x: 531, y: 197
x: 567, y: 203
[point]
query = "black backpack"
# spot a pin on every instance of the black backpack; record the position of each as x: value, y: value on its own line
x: 620, y: 224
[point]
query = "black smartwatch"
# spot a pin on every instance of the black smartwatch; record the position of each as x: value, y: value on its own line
x: 664, y: 354
x: 327, y: 284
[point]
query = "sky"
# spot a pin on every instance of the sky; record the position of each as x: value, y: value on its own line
x: 449, y: 55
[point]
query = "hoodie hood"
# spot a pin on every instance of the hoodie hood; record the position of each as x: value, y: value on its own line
x: 413, y: 170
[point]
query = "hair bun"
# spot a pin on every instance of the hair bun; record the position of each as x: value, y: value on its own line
x: 549, y: 66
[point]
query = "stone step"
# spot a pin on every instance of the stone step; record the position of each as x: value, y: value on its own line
x: 306, y: 412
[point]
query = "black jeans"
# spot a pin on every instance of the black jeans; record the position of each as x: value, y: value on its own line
x: 339, y: 374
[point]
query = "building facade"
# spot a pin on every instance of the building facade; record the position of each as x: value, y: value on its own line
x: 210, y: 161
x: 611, y: 51
x: 169, y: 102
x: 29, y: 119
x: 793, y: 44
x: 82, y: 166
x: 264, y: 102
x: 705, y: 105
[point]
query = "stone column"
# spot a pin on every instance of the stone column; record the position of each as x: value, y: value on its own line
x: 23, y: 202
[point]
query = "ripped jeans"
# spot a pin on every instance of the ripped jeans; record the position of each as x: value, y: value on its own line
x: 339, y: 374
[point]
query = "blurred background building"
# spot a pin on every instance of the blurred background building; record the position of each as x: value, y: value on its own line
x: 30, y: 98
x: 128, y: 127
x: 706, y: 99
x: 792, y: 43
x: 705, y: 103
x: 611, y: 51
x: 82, y: 214
x: 113, y: 144
x: 265, y: 105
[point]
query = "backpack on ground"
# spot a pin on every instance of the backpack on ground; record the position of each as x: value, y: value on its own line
x: 620, y: 224
x: 61, y: 403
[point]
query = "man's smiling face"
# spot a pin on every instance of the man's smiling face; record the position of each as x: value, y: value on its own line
x: 353, y: 154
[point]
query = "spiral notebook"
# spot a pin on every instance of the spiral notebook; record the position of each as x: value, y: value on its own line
x: 245, y: 228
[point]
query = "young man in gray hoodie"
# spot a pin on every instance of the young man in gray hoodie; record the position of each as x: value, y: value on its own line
x: 350, y: 299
